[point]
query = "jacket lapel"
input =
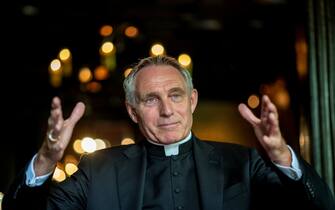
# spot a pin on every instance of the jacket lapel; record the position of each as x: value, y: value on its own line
x: 131, y: 178
x: 210, y: 175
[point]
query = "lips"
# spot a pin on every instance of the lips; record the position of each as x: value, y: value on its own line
x: 168, y: 125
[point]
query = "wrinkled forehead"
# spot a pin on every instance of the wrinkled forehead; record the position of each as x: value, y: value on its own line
x: 159, y: 74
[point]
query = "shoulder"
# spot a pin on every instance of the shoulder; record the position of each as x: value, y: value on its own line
x: 229, y: 150
x: 112, y: 154
x: 225, y: 146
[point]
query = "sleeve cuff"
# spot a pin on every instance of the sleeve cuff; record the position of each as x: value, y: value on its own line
x: 294, y: 171
x: 31, y: 179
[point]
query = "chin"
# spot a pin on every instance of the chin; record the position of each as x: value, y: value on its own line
x: 170, y: 139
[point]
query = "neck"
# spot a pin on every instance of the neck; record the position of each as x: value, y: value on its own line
x: 172, y: 149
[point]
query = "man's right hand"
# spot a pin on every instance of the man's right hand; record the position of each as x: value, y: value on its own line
x: 60, y: 131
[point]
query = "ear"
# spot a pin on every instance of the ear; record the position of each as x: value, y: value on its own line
x: 132, y: 112
x: 194, y: 99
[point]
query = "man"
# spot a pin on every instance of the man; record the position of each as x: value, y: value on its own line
x: 172, y: 169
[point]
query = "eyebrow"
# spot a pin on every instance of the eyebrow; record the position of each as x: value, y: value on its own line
x: 177, y: 89
x: 155, y: 94
x: 140, y: 97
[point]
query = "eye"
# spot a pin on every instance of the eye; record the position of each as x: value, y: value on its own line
x: 150, y: 101
x: 176, y: 97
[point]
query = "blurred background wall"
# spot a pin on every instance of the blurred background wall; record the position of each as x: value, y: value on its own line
x: 236, y: 51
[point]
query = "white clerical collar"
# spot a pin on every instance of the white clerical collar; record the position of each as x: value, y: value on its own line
x: 172, y: 149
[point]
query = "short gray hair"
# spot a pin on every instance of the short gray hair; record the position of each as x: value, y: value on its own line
x: 129, y: 81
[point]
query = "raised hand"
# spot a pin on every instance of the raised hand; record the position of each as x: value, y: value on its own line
x: 267, y: 131
x: 58, y: 136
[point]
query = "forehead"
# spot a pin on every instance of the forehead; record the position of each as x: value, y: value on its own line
x: 159, y: 75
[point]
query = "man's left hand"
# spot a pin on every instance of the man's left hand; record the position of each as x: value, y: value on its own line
x: 268, y: 132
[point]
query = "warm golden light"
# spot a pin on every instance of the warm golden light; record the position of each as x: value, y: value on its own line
x: 282, y: 99
x: 94, y: 87
x: 131, y: 31
x: 77, y: 147
x: 157, y: 49
x: 59, y: 175
x: 184, y: 59
x: 107, y: 47
x: 100, y: 144
x: 85, y: 75
x: 106, y: 30
x: 127, y: 141
x: 278, y: 92
x: 301, y: 51
x: 70, y: 159
x: 301, y: 140
x: 70, y: 168
x: 55, y: 72
x: 55, y: 80
x: 127, y: 72
x: 301, y: 57
x: 253, y: 101
x: 88, y: 145
x: 55, y: 65
x: 101, y: 73
x: 64, y: 54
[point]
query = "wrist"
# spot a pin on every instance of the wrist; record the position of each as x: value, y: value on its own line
x: 282, y: 157
x: 43, y: 165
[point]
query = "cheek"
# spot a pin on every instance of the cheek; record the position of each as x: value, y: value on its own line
x: 185, y: 110
x: 185, y: 116
x: 148, y: 117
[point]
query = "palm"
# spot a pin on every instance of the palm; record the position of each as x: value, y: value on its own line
x: 52, y: 151
x: 267, y: 128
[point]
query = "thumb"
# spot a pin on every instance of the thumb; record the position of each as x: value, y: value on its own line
x: 247, y: 114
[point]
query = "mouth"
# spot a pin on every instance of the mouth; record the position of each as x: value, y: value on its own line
x: 168, y: 125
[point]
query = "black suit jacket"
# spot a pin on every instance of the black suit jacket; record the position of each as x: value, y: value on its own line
x: 229, y: 176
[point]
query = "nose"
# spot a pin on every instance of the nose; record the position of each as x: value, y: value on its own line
x: 166, y: 108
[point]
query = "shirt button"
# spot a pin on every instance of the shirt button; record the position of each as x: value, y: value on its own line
x: 177, y: 190
x: 175, y: 173
x: 180, y: 207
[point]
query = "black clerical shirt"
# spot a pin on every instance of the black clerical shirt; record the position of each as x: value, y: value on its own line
x: 171, y: 181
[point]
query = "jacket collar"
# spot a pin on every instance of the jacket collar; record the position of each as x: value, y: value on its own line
x: 131, y: 177
x: 210, y: 175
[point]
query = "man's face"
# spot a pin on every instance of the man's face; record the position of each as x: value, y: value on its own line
x: 164, y: 106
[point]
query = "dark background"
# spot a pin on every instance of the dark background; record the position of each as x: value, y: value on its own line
x: 236, y: 46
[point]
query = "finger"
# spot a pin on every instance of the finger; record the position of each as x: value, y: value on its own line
x: 273, y: 122
x: 273, y: 109
x: 56, y: 109
x: 266, y: 142
x: 269, y: 113
x: 56, y: 102
x: 268, y: 106
x: 52, y: 118
x: 248, y: 115
x: 55, y: 115
x: 55, y: 120
x: 271, y: 125
x: 76, y: 114
x: 51, y: 136
x: 264, y: 107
